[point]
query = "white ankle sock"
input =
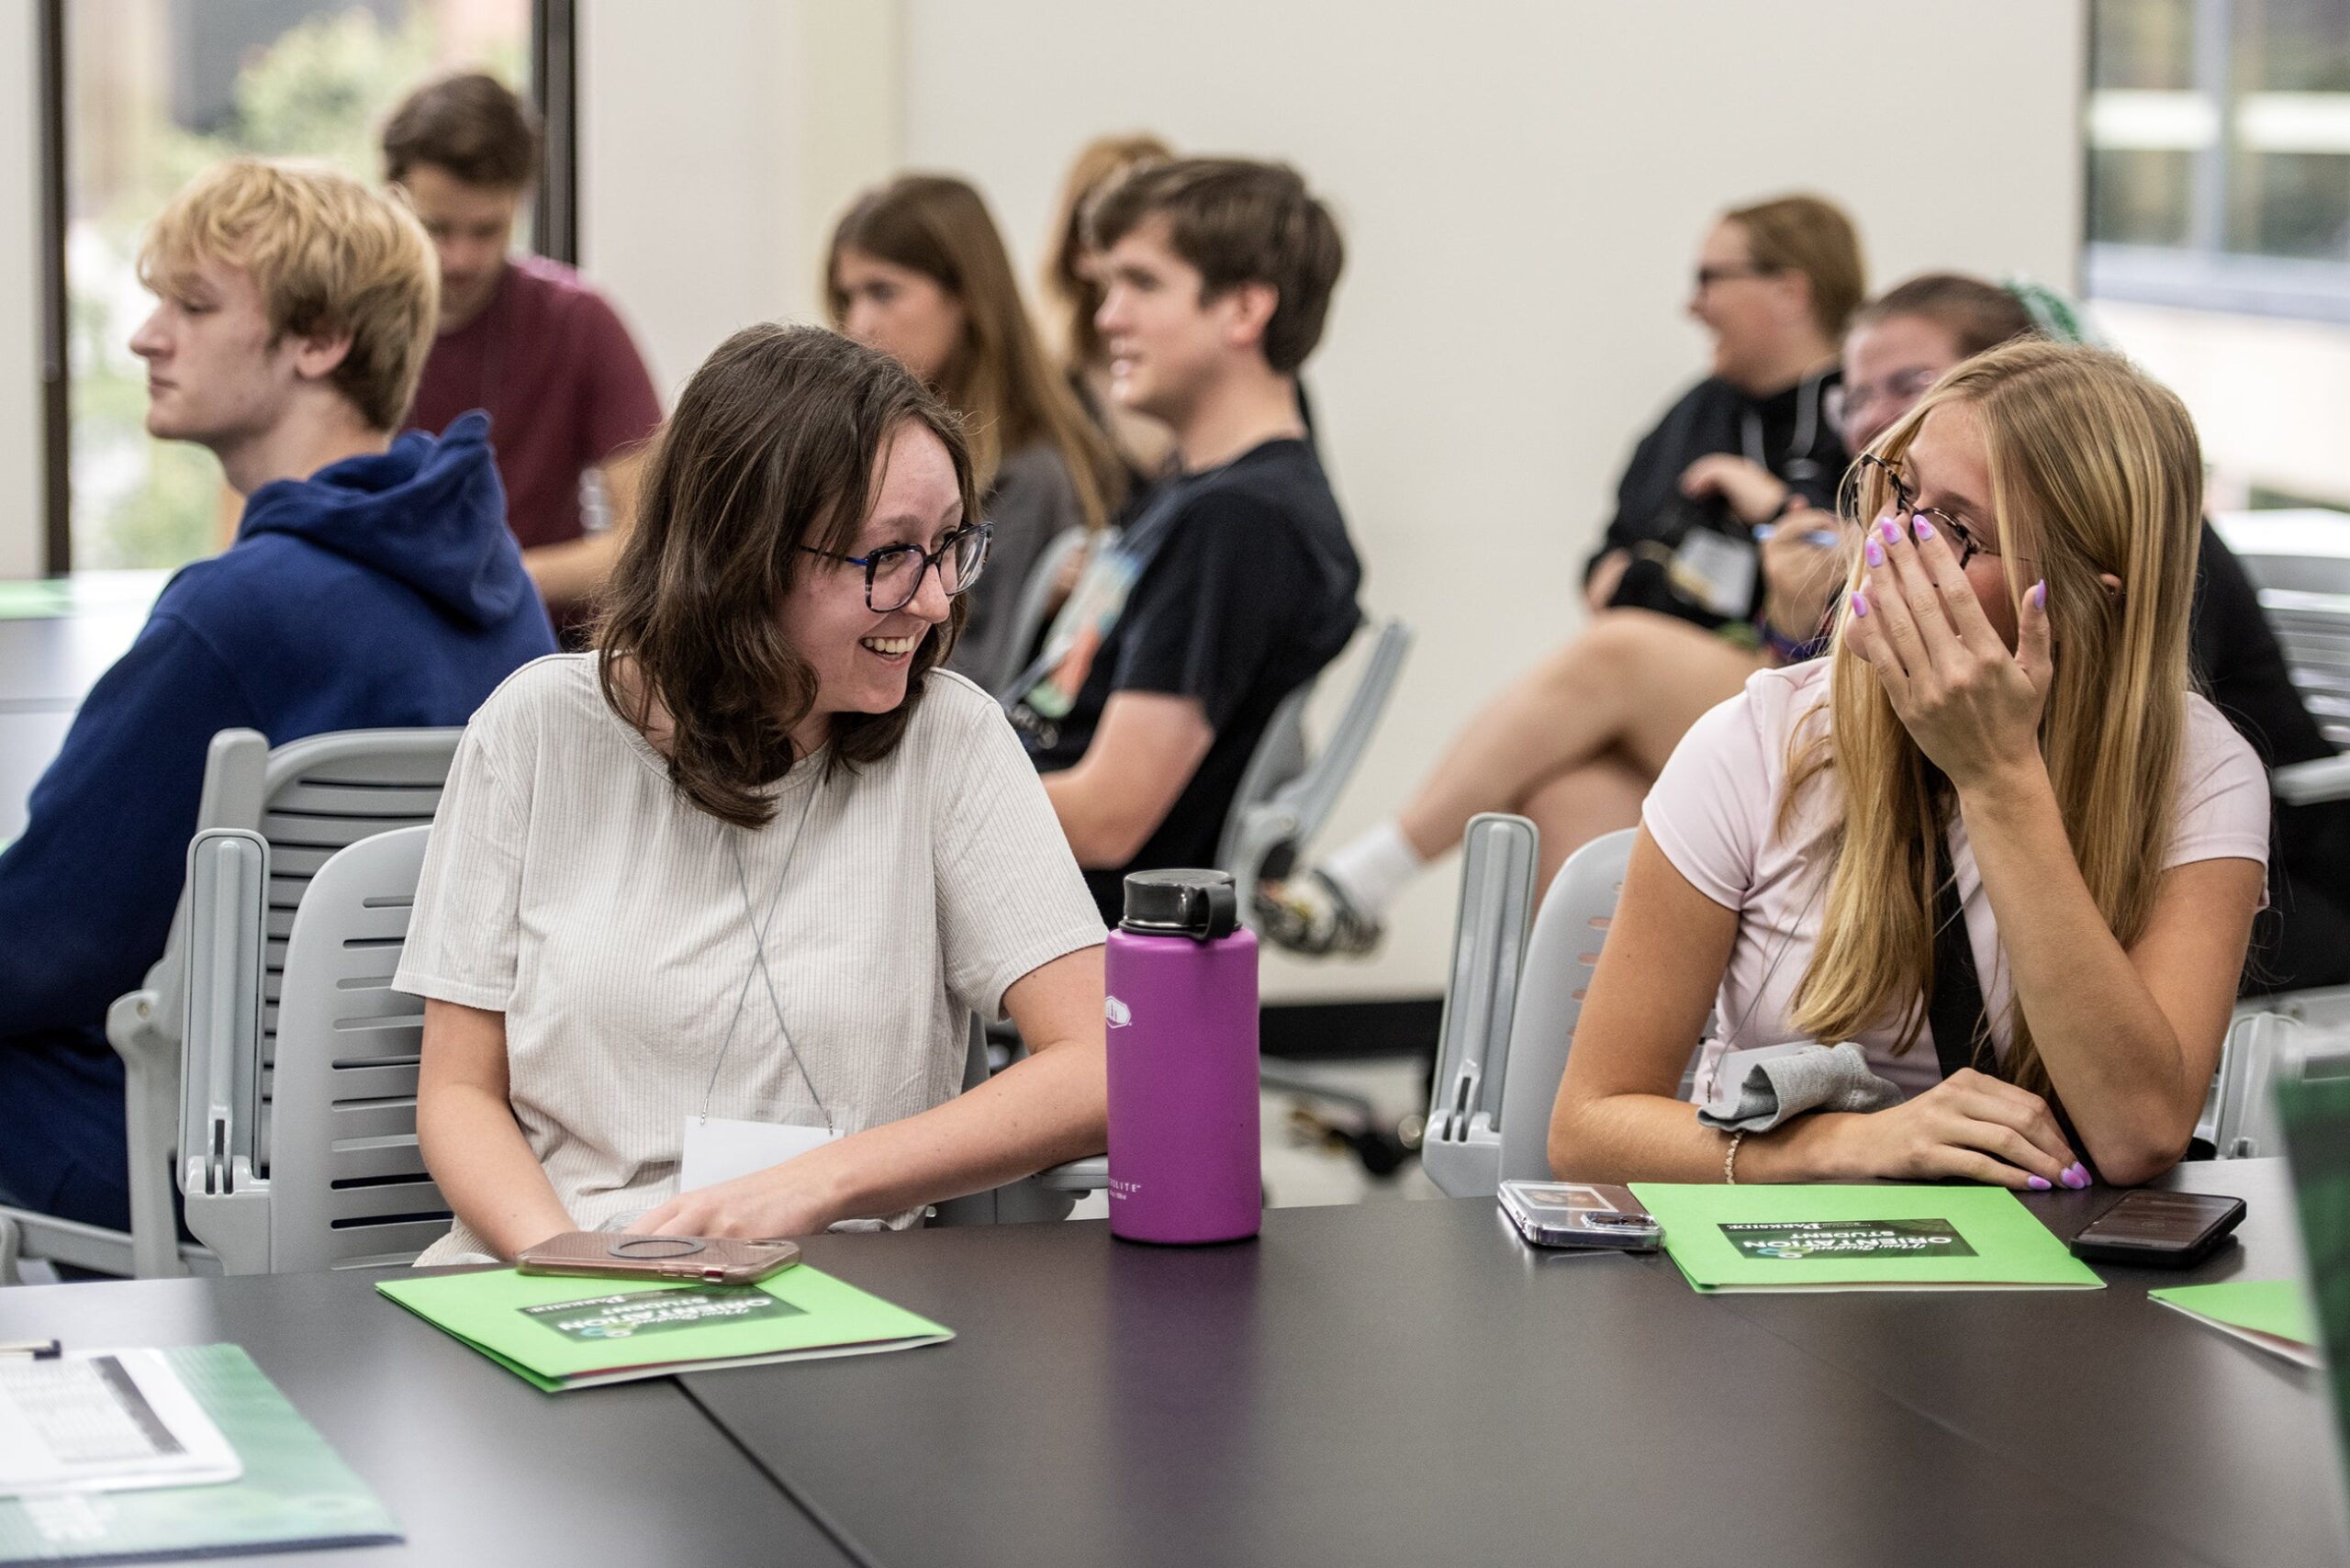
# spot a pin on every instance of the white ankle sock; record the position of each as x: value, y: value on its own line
x: 1372, y: 871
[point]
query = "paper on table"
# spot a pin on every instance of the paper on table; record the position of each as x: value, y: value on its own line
x: 2273, y: 1314
x: 606, y: 1338
x: 295, y: 1491
x: 1759, y: 1238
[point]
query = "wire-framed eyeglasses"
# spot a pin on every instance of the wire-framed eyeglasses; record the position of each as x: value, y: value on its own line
x: 1904, y: 503
x: 893, y: 574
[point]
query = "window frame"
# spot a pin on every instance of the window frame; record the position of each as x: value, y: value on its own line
x: 555, y: 230
x: 2203, y: 274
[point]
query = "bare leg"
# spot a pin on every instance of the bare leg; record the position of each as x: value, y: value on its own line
x: 1630, y: 684
x: 1575, y: 808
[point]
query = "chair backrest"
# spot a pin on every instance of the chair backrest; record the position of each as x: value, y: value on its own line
x: 1461, y: 1149
x: 316, y: 797
x: 1560, y: 959
x: 1031, y: 609
x: 2300, y: 562
x: 1287, y: 792
x: 303, y: 801
x: 326, y: 1173
x: 348, y: 1183
x: 2240, y: 1116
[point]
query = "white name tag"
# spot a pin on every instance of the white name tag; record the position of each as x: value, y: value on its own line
x: 1715, y: 571
x: 718, y: 1149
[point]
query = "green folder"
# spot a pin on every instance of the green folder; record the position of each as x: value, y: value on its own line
x: 1761, y: 1237
x: 296, y: 1491
x: 2271, y: 1313
x: 560, y: 1331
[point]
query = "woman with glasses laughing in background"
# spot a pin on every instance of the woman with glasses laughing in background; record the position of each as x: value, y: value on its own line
x: 705, y: 912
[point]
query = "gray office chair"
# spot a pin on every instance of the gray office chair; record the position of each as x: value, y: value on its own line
x: 299, y: 1144
x: 307, y: 798
x: 1461, y: 1147
x: 326, y: 1172
x: 1489, y: 1118
x: 2239, y: 1118
x: 1048, y: 1195
x: 1286, y: 793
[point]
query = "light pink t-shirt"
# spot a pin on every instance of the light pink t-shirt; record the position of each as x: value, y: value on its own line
x: 1714, y: 812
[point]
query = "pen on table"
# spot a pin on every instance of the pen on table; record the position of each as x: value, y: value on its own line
x: 38, y: 1350
x: 1824, y: 537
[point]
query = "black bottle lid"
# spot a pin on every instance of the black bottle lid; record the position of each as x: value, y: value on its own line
x: 1203, y: 905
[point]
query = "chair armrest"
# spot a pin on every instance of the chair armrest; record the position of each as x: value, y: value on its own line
x: 1077, y: 1176
x: 2313, y: 783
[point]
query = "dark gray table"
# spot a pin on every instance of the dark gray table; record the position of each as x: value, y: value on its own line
x: 1407, y: 1384
x: 477, y: 1466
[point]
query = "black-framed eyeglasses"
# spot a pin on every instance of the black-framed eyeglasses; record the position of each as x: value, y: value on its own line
x: 893, y: 574
x: 1904, y: 503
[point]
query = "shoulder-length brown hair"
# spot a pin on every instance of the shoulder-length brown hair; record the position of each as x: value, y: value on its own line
x: 777, y: 443
x: 999, y: 378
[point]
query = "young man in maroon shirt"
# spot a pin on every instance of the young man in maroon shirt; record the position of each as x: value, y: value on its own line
x: 524, y: 337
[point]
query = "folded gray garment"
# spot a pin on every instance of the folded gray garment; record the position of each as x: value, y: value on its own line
x: 1760, y: 1089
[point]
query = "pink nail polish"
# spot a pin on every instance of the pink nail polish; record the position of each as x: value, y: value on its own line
x: 1876, y: 553
x: 2037, y: 1183
x: 1892, y: 531
x: 2040, y: 594
x: 1925, y: 529
x: 1860, y: 605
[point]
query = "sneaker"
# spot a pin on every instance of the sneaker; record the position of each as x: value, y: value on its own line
x: 1311, y: 915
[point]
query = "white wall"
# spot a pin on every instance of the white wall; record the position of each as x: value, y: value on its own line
x: 1522, y: 183
x: 2266, y: 394
x: 22, y: 518
x: 717, y: 140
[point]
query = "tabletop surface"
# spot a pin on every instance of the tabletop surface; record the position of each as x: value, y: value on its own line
x: 1389, y: 1383
x: 1311, y: 1396
x: 477, y: 1466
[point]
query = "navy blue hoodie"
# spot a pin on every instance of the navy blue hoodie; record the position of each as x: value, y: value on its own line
x: 381, y: 592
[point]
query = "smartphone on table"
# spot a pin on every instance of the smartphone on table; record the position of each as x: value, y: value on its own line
x: 2159, y: 1230
x: 698, y: 1260
x: 1580, y: 1213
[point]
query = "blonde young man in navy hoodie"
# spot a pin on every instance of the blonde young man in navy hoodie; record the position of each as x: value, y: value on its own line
x: 372, y: 584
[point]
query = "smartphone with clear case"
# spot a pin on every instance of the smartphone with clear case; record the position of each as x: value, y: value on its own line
x: 1580, y: 1213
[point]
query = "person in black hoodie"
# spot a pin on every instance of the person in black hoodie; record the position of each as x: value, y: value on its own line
x: 1775, y: 284
x: 372, y: 584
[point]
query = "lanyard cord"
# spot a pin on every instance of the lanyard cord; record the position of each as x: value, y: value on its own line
x: 759, y: 961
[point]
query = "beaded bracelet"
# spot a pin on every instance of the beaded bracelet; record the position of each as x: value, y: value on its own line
x: 1729, y: 1161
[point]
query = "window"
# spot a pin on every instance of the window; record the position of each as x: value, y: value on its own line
x: 2219, y: 166
x: 147, y: 93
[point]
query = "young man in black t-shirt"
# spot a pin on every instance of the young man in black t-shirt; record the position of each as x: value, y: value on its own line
x: 1236, y: 584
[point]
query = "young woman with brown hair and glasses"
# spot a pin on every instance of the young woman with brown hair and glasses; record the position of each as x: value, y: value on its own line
x: 758, y: 860
x: 917, y: 270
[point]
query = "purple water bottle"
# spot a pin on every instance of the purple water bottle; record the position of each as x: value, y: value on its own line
x: 1185, y: 1162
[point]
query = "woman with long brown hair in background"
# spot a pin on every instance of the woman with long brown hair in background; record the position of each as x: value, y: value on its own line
x: 917, y: 269
x: 2001, y: 751
x: 1074, y: 294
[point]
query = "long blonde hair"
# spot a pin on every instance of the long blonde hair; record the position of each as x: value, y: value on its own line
x: 2094, y: 469
x: 999, y: 378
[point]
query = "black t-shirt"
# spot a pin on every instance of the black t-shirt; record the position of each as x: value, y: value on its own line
x: 1788, y: 432
x: 1240, y: 587
x: 2240, y: 667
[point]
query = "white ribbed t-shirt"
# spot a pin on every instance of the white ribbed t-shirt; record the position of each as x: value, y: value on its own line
x: 569, y: 887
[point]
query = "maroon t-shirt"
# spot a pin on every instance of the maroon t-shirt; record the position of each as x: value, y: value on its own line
x: 563, y: 383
